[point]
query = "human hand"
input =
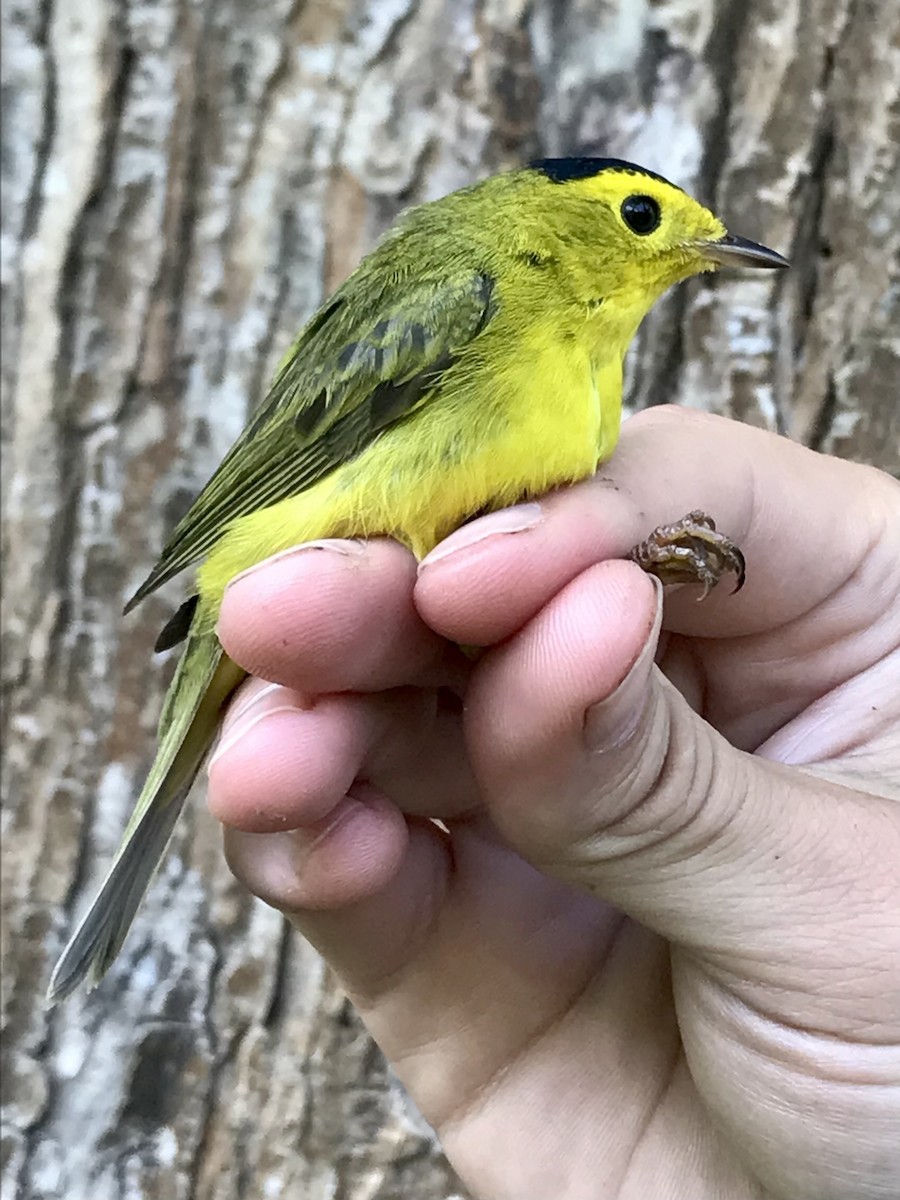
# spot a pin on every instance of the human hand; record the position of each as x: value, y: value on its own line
x: 637, y: 961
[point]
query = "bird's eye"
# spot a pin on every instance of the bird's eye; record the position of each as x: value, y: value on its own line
x: 641, y: 214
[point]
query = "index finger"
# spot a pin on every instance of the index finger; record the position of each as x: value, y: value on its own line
x: 805, y: 522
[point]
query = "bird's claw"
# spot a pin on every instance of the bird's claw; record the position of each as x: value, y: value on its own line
x: 690, y: 551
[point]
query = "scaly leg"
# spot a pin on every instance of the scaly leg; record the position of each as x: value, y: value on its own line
x: 690, y: 551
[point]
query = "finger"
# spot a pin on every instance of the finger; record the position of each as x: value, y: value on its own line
x: 439, y: 955
x: 339, y: 862
x: 804, y: 521
x: 285, y: 761
x: 597, y: 770
x: 332, y: 616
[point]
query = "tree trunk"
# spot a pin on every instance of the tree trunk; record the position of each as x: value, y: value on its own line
x: 184, y: 181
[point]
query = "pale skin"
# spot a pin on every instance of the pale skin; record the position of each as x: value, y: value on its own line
x: 637, y: 961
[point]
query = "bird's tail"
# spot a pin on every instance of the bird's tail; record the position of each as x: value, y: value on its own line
x: 204, y: 680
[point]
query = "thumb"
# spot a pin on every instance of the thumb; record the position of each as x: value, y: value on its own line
x: 598, y: 771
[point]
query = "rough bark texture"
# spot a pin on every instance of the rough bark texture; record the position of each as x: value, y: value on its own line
x: 184, y: 180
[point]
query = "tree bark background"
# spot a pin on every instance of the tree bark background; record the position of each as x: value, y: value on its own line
x: 184, y: 181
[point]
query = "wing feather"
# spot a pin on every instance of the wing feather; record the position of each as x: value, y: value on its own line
x: 344, y: 380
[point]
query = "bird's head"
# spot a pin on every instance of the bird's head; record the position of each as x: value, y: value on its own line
x: 635, y: 233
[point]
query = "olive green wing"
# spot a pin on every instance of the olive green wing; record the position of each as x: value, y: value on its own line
x: 366, y: 360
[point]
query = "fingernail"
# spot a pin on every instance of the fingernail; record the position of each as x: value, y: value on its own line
x: 506, y: 520
x: 612, y: 721
x: 253, y: 700
x: 257, y: 710
x: 348, y: 807
x: 347, y: 547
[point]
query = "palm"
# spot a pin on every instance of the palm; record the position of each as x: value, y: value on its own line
x: 547, y: 1025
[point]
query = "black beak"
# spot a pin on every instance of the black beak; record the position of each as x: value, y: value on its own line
x: 731, y: 251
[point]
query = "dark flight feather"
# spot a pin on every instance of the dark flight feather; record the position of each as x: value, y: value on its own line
x: 176, y: 628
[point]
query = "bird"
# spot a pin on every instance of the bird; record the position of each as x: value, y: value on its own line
x: 474, y: 358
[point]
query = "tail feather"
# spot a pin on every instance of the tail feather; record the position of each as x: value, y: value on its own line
x: 204, y: 680
x: 100, y: 934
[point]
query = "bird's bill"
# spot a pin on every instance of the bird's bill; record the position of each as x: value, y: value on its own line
x: 731, y: 251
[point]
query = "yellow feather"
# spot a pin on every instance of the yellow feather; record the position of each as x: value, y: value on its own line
x: 543, y: 424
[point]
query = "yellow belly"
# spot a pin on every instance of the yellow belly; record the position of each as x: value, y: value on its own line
x: 464, y: 452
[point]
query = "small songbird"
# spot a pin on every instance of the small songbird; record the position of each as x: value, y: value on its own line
x: 472, y: 359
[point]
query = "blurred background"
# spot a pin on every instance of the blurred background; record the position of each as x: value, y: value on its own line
x: 183, y: 182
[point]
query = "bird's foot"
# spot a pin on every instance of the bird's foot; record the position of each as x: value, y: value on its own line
x: 690, y: 551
